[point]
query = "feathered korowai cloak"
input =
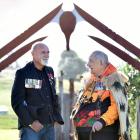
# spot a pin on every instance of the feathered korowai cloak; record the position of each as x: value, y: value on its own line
x: 116, y: 82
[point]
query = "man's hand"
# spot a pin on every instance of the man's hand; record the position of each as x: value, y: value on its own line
x: 36, y: 126
x: 97, y: 126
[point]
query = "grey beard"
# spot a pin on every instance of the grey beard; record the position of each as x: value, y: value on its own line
x: 44, y: 62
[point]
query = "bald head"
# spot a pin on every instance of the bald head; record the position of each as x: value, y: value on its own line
x: 40, y: 53
x: 38, y: 45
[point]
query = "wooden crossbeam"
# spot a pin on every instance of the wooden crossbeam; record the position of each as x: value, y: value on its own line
x: 104, y: 29
x: 14, y: 56
x: 130, y: 60
x: 30, y: 31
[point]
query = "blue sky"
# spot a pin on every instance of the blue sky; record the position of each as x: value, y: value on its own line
x: 120, y: 16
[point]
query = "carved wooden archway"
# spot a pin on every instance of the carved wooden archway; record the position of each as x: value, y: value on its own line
x: 67, y: 24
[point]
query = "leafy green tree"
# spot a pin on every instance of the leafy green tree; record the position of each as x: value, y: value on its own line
x: 133, y: 89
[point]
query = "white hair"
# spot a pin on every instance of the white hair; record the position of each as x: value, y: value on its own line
x: 101, y: 56
x: 37, y: 44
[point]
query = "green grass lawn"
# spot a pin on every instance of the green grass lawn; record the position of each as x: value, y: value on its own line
x: 8, y: 123
x: 5, y: 90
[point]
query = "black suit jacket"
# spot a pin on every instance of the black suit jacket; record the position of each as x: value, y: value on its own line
x: 31, y: 103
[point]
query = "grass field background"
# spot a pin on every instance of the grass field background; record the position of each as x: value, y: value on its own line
x: 8, y: 122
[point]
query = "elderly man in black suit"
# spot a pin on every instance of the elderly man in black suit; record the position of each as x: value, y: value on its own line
x: 34, y: 98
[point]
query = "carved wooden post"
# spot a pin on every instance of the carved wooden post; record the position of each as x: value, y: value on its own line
x: 61, y: 92
x: 67, y: 24
x: 71, y: 89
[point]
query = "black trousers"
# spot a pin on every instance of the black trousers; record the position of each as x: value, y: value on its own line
x: 98, y: 136
x: 107, y: 133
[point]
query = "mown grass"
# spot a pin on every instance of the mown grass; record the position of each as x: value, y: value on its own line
x: 8, y: 122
